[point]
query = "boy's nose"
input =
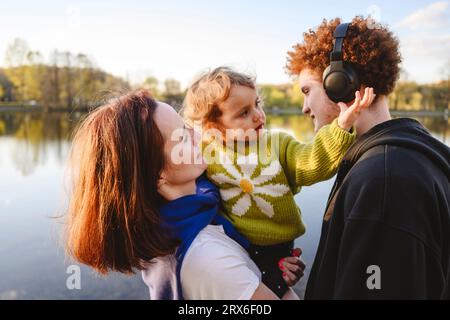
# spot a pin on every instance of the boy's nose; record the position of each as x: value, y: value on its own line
x: 306, y: 109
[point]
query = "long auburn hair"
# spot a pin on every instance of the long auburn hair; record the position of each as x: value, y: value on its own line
x: 116, y: 160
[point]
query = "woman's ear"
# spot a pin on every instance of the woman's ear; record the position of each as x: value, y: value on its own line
x: 166, y: 190
x: 161, y: 181
x: 163, y: 188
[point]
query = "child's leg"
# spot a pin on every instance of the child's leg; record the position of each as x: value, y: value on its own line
x: 267, y: 258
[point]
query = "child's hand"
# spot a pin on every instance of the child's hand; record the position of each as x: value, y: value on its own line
x: 292, y: 268
x: 348, y: 115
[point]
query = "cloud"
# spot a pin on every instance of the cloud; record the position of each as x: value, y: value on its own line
x: 425, y: 55
x: 425, y: 50
x: 432, y: 17
x: 426, y: 46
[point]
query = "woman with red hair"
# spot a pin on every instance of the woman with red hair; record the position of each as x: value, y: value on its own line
x: 140, y: 201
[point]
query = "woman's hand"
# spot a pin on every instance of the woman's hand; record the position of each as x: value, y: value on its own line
x: 348, y: 115
x: 292, y: 267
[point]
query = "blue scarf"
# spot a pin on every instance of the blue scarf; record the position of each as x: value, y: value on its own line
x: 188, y: 215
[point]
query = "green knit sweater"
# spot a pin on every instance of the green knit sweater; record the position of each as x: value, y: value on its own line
x: 258, y: 182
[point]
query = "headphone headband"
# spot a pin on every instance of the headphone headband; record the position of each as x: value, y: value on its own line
x: 340, y: 80
x: 339, y: 34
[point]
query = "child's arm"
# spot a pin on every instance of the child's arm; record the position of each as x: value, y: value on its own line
x: 306, y: 164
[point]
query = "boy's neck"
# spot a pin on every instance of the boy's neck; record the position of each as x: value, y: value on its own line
x: 375, y: 114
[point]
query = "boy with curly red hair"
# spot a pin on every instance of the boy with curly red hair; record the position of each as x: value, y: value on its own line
x: 387, y: 220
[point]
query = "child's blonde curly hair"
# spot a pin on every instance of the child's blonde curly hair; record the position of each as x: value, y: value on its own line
x: 200, y: 106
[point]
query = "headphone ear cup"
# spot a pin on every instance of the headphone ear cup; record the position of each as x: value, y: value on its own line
x: 340, y: 85
x: 325, y: 74
x: 336, y: 84
x: 327, y: 84
x: 354, y: 83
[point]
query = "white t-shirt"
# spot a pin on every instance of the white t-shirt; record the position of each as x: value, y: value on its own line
x: 216, y: 267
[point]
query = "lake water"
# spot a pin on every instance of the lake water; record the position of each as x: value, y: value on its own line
x: 33, y: 265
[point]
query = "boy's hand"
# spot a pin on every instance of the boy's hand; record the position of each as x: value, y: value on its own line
x: 348, y: 115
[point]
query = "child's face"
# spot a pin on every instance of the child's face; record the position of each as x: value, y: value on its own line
x: 242, y: 116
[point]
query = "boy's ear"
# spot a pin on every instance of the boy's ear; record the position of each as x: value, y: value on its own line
x: 361, y: 90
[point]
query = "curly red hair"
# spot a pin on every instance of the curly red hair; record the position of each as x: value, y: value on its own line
x: 372, y: 49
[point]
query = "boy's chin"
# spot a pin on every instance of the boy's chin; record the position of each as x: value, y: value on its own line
x: 316, y: 125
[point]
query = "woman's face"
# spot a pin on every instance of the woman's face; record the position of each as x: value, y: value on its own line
x: 184, y: 161
x: 316, y: 103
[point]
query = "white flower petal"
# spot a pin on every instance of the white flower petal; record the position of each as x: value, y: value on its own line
x: 230, y: 193
x: 262, y: 179
x: 221, y: 178
x: 228, y: 165
x: 264, y: 206
x: 242, y: 205
x: 231, y: 169
x: 268, y: 173
x: 247, y: 164
x: 274, y: 190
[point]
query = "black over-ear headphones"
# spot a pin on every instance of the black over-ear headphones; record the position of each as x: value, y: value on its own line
x: 340, y: 80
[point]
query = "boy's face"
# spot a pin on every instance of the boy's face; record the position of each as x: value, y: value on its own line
x: 316, y: 103
x: 242, y: 117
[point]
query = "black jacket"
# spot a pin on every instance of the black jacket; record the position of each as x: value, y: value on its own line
x: 389, y: 208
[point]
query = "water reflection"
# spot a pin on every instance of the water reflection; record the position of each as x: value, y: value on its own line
x: 33, y: 151
x: 37, y: 136
x: 302, y: 127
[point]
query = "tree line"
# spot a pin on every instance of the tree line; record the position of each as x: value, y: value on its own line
x: 67, y: 80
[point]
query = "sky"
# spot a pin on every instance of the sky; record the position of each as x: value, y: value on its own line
x: 179, y: 39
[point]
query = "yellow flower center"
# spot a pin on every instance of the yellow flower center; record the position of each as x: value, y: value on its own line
x: 246, y: 186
